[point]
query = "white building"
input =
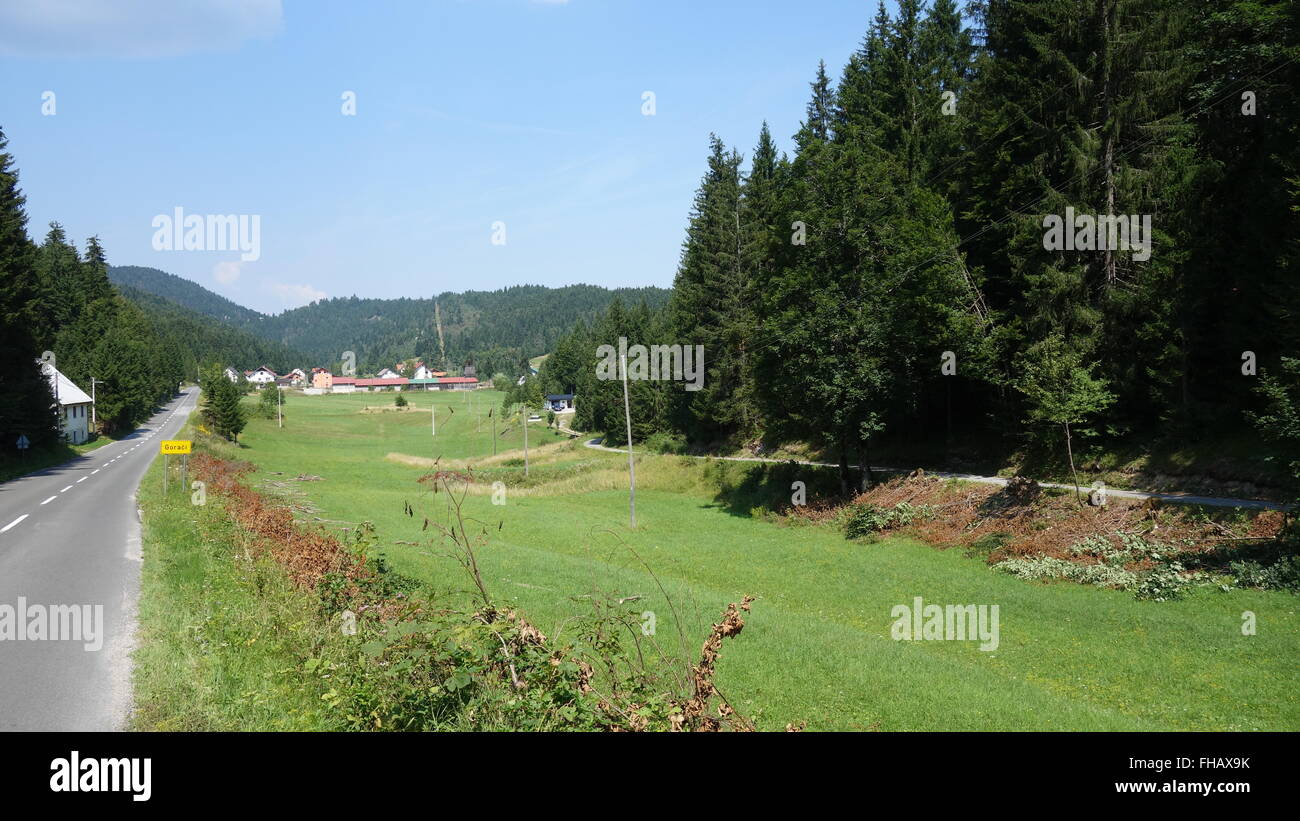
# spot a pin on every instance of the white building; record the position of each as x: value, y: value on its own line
x: 232, y: 374
x: 74, y: 405
x: 388, y: 373
x: 423, y: 372
x: 261, y: 376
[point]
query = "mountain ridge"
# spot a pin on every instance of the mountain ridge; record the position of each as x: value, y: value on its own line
x: 496, y: 331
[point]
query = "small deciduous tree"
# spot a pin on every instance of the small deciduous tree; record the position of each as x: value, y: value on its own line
x: 267, y: 404
x: 1061, y: 390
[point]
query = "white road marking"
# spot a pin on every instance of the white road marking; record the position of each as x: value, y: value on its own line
x: 82, y: 479
x: 66, y: 489
x: 51, y: 499
x: 14, y: 522
x: 93, y: 472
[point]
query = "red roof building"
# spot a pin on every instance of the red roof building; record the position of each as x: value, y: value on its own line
x: 382, y: 383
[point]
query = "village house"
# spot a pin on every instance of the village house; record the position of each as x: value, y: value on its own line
x: 261, y: 376
x: 321, y: 379
x: 389, y: 373
x: 343, y: 384
x: 297, y: 377
x: 232, y: 374
x: 560, y: 402
x: 74, y: 405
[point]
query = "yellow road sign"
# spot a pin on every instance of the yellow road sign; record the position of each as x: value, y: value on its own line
x: 172, y: 447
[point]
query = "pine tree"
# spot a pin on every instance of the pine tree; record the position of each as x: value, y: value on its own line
x: 222, y: 410
x: 26, y: 402
x: 711, y: 302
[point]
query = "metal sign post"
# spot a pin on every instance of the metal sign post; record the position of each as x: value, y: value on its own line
x: 175, y: 447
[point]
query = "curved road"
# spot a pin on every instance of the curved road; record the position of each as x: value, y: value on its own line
x: 70, y: 536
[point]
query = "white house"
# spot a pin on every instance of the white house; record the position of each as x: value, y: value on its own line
x: 423, y: 372
x: 74, y: 405
x: 388, y: 373
x: 298, y: 377
x: 232, y: 374
x: 261, y: 376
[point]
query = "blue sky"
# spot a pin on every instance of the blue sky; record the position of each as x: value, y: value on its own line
x: 468, y: 112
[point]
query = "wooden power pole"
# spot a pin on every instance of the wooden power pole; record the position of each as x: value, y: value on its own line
x: 631, y: 466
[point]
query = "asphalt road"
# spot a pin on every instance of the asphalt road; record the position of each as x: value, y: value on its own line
x: 70, y: 535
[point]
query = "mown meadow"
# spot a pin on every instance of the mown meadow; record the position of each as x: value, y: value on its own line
x: 817, y: 646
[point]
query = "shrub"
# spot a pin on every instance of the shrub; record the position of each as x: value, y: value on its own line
x: 1039, y: 568
x: 663, y: 442
x: 1283, y: 574
x: 1167, y: 582
x: 400, y: 401
x: 864, y: 519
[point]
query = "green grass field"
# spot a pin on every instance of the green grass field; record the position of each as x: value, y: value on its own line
x: 817, y: 644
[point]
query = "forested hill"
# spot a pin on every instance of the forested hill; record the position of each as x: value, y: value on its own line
x: 202, y: 339
x: 182, y: 292
x: 496, y: 330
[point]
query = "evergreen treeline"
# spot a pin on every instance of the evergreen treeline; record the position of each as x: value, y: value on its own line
x: 55, y: 297
x: 908, y: 231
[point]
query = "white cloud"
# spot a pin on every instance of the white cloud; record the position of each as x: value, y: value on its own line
x: 133, y: 28
x: 295, y: 296
x: 226, y: 272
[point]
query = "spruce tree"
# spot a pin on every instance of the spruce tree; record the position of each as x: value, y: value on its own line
x: 26, y: 401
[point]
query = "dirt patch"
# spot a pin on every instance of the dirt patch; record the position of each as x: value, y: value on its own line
x: 1020, y: 519
x: 308, y: 554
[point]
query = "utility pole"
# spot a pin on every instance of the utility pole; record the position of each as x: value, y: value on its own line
x: 433, y: 417
x: 525, y: 441
x: 631, y: 466
x: 279, y: 404
x: 494, y: 431
x: 93, y: 382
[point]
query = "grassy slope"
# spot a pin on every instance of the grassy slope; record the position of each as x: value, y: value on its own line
x: 817, y: 646
x: 221, y: 637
